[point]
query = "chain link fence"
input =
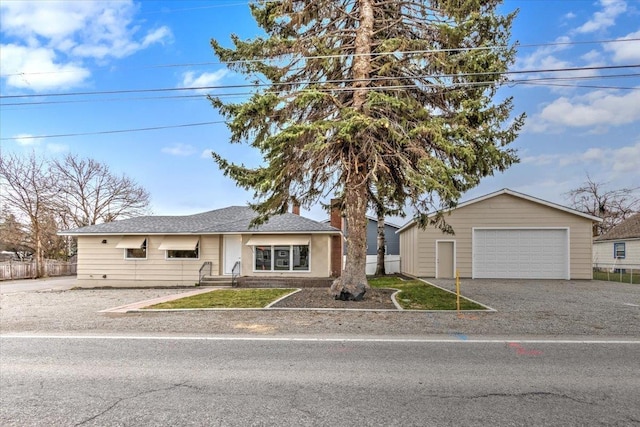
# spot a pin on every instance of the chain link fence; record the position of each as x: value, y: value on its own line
x: 625, y: 273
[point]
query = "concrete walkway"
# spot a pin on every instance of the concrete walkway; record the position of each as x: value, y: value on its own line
x: 146, y: 303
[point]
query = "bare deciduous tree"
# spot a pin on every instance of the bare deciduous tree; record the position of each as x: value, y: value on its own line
x: 613, y: 206
x: 46, y: 195
x: 13, y: 236
x: 89, y: 193
x: 28, y: 189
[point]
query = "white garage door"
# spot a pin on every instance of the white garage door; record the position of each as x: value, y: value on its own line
x: 521, y: 253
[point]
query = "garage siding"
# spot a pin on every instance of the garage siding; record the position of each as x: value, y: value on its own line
x: 408, y: 249
x: 503, y: 211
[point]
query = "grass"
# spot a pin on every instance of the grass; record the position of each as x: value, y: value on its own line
x: 413, y: 295
x: 227, y: 298
x: 417, y: 295
x: 618, y: 277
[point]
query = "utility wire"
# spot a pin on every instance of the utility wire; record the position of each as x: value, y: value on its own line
x: 106, y: 132
x: 350, y: 55
x: 341, y: 81
x: 540, y: 81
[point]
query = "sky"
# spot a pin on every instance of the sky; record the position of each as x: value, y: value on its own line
x: 82, y: 77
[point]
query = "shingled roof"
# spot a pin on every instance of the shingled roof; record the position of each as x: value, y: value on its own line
x: 627, y: 229
x: 233, y: 219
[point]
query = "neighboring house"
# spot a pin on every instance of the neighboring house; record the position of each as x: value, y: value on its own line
x: 392, y: 244
x: 504, y: 234
x: 620, y: 246
x: 170, y: 250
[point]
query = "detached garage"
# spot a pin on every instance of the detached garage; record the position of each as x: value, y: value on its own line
x: 506, y: 235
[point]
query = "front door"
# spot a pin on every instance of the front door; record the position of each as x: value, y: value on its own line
x: 232, y: 252
x: 445, y: 256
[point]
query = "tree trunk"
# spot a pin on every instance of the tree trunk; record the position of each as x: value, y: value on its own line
x: 380, y: 270
x: 39, y: 255
x: 353, y: 282
x: 354, y: 276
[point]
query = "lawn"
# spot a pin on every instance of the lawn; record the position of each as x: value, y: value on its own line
x: 227, y: 298
x: 632, y: 277
x: 417, y: 295
x: 413, y: 295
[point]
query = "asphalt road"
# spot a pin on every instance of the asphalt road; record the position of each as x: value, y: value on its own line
x: 241, y: 381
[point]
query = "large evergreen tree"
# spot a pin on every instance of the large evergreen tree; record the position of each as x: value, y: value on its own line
x: 361, y: 93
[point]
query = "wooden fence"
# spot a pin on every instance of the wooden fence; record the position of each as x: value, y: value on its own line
x: 10, y: 270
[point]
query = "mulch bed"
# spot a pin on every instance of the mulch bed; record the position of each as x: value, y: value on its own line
x: 374, y: 299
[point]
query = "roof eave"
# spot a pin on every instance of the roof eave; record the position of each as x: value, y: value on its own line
x: 514, y: 194
x: 182, y: 233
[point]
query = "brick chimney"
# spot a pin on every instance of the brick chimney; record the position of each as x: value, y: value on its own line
x: 295, y: 209
x: 335, y: 220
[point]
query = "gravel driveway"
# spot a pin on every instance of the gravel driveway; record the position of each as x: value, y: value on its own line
x: 524, y: 308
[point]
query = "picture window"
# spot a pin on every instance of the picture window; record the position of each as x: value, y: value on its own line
x: 281, y: 258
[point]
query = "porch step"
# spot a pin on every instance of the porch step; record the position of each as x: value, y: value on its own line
x: 283, y: 282
x: 216, y: 281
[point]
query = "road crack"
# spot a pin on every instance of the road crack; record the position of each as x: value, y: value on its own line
x: 135, y: 396
x: 526, y: 394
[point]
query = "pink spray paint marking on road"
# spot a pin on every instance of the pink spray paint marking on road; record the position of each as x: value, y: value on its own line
x: 521, y: 351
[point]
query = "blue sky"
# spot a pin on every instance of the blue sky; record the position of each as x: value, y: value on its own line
x: 587, y: 122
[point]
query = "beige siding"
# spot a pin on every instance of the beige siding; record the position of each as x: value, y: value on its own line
x: 318, y: 252
x: 408, y: 251
x: 102, y: 264
x: 603, y: 254
x: 503, y: 211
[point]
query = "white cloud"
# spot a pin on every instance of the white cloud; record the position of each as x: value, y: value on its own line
x: 179, y: 150
x: 57, y: 148
x: 625, y: 159
x: 543, y: 57
x: 206, y: 153
x: 604, y: 18
x: 191, y: 79
x: 622, y: 161
x: 54, y: 37
x: 617, y: 161
x: 593, y: 57
x: 26, y: 139
x: 597, y: 109
x: 159, y: 35
x: 625, y: 51
x: 38, y: 69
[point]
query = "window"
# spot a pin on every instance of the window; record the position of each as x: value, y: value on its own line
x: 281, y: 258
x: 619, y: 250
x: 263, y: 258
x: 184, y: 254
x: 137, y: 253
x: 135, y: 247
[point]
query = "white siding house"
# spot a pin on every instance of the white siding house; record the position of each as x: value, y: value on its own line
x: 619, y: 248
x: 176, y: 250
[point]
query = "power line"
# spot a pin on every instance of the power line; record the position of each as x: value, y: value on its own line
x: 341, y: 81
x: 106, y: 132
x: 540, y: 81
x: 412, y: 52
